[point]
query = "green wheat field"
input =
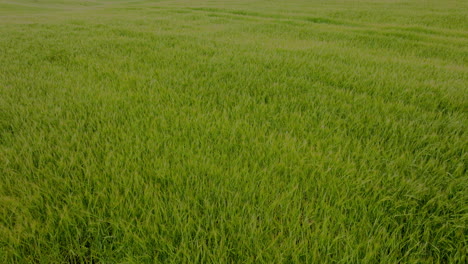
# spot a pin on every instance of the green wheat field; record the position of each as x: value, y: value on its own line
x: 235, y: 131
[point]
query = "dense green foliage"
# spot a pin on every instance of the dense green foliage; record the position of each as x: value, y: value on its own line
x: 242, y: 131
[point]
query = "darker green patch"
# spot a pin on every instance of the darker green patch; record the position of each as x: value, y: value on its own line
x: 238, y: 12
x: 6, y: 127
x: 163, y: 183
x: 60, y: 56
x: 321, y: 20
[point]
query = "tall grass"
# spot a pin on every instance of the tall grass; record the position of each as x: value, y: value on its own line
x: 233, y: 131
